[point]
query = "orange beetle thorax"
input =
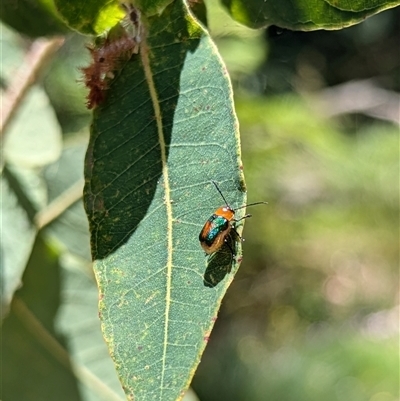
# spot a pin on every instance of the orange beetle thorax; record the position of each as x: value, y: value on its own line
x: 225, y: 212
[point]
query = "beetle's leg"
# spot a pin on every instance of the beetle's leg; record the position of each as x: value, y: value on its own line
x: 237, y: 234
x: 246, y: 216
x: 230, y: 248
x: 236, y: 221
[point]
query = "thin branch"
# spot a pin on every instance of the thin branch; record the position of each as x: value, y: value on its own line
x: 360, y: 97
x: 38, y: 55
x: 59, y: 205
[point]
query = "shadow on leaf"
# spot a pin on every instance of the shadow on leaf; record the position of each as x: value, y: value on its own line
x: 220, y: 263
x: 132, y: 132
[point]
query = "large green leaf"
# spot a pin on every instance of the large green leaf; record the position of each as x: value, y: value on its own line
x: 166, y: 129
x: 305, y: 14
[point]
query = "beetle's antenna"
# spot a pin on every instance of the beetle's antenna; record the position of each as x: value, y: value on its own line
x: 251, y: 204
x: 223, y: 197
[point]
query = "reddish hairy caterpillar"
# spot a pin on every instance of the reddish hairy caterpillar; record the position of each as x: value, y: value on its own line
x: 107, y: 55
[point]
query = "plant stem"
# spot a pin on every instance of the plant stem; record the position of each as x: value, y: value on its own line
x: 37, y: 57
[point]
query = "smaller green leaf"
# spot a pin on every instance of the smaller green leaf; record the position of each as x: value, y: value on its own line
x: 303, y: 14
x: 362, y: 5
x: 91, y: 17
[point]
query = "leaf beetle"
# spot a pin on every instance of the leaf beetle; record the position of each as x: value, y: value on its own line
x: 217, y: 228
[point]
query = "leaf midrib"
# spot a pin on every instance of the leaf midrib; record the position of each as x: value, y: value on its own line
x: 144, y: 53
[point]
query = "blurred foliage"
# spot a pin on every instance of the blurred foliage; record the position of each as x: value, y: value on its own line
x: 312, y: 313
x: 319, y: 280
x: 306, y: 61
x: 305, y: 14
x: 32, y: 17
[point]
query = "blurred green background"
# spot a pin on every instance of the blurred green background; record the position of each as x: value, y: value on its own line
x: 313, y: 312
